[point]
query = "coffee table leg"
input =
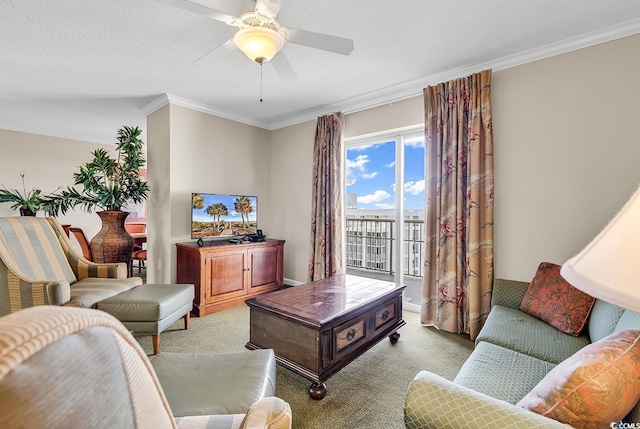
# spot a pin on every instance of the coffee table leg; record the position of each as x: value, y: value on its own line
x: 317, y: 390
x: 394, y: 337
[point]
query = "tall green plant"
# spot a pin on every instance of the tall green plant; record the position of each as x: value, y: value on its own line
x: 107, y: 183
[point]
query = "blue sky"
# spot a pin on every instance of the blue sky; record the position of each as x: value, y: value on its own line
x: 228, y: 200
x: 370, y: 174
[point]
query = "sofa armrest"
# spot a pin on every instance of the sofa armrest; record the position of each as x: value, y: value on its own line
x: 267, y: 413
x: 58, y: 292
x: 436, y: 403
x: 22, y: 291
x: 83, y: 269
x: 508, y: 293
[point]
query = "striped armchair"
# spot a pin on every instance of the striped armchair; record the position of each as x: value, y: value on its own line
x: 39, y: 265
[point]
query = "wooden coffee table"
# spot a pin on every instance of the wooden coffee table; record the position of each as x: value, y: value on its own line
x: 318, y: 328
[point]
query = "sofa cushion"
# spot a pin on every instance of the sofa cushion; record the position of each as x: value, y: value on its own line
x: 501, y: 373
x: 88, y: 291
x: 513, y: 329
x: 598, y: 385
x: 552, y: 299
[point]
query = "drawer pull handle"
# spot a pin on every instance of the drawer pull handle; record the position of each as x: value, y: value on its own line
x: 385, y: 315
x: 351, y: 334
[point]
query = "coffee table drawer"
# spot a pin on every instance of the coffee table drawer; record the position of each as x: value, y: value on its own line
x: 388, y: 314
x: 350, y: 333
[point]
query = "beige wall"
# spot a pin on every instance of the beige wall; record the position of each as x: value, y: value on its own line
x: 291, y: 164
x: 48, y: 162
x: 566, y: 152
x: 159, y: 214
x: 199, y: 152
x: 400, y: 114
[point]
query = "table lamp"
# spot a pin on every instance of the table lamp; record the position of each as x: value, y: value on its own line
x: 609, y: 267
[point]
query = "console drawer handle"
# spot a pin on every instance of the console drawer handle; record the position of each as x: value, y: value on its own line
x: 351, y: 334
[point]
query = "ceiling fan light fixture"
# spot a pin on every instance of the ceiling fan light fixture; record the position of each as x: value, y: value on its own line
x: 258, y: 43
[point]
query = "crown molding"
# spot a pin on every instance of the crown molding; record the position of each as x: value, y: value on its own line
x: 165, y: 99
x: 414, y: 87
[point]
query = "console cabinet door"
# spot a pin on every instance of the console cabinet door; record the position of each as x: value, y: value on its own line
x: 225, y: 275
x: 265, y: 267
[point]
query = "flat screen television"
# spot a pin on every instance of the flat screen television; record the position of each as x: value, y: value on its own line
x: 223, y: 216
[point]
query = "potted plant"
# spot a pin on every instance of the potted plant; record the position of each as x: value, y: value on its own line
x: 27, y: 202
x: 109, y: 184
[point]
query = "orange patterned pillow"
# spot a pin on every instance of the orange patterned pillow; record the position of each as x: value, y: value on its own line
x: 598, y: 385
x: 552, y: 299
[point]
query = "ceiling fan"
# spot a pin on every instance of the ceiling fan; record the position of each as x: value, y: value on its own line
x: 260, y: 36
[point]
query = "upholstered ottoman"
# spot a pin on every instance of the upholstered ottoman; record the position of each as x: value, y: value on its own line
x: 151, y: 308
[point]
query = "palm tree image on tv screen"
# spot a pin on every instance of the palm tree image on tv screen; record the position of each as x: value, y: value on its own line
x: 220, y: 215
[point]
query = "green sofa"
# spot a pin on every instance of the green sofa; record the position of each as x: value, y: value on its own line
x: 513, y: 352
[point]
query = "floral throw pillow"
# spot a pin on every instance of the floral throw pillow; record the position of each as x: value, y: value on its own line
x: 552, y: 299
x: 598, y: 385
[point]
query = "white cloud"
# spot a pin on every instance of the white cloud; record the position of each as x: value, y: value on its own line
x: 391, y: 164
x: 369, y: 175
x: 363, y: 147
x: 353, y: 166
x: 415, y: 142
x: 359, y: 163
x: 414, y: 188
x: 378, y: 195
x: 385, y: 206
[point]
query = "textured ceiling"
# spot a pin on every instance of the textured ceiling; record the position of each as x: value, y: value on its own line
x: 82, y: 68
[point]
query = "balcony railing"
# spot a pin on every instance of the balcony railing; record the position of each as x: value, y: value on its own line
x: 370, y: 244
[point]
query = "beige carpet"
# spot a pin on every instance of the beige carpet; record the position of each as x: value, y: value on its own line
x: 368, y: 393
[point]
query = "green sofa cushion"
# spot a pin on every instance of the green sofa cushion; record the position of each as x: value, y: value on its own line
x: 502, y: 373
x: 516, y: 330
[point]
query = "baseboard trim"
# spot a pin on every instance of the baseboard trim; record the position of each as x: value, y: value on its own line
x: 289, y: 282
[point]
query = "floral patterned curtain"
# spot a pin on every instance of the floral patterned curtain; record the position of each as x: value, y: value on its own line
x: 458, y: 277
x: 325, y: 259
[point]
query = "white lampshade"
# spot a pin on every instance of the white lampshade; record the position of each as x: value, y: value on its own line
x: 609, y: 267
x: 260, y: 44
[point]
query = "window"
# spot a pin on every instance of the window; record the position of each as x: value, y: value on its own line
x: 392, y: 217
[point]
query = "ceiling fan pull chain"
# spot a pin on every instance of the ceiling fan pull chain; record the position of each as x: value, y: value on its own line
x: 261, y: 82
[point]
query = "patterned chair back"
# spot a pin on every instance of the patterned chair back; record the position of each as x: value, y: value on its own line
x: 33, y: 247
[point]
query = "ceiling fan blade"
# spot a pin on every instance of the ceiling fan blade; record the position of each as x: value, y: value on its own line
x: 201, y: 10
x: 268, y: 8
x: 283, y: 67
x: 229, y: 45
x: 325, y: 42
